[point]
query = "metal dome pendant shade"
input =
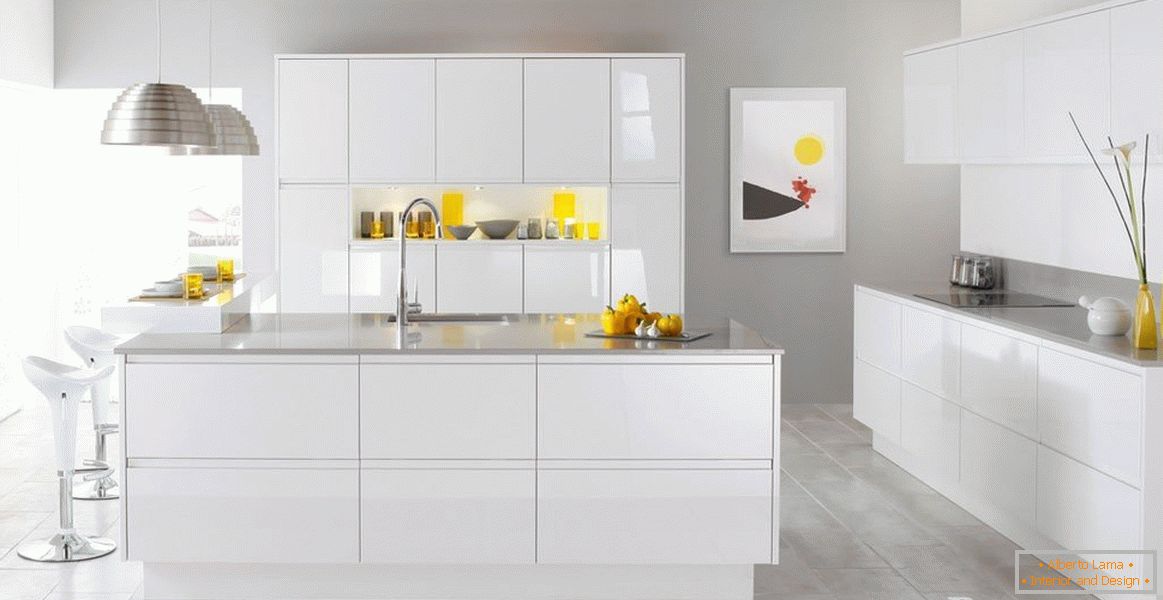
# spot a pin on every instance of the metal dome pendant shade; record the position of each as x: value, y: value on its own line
x: 158, y: 114
x: 233, y: 135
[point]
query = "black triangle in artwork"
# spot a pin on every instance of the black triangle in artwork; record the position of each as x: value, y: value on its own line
x: 762, y: 203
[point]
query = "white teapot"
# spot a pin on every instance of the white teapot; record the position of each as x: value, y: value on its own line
x: 1106, y: 316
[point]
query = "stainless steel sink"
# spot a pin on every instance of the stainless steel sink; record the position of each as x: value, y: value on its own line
x: 455, y: 318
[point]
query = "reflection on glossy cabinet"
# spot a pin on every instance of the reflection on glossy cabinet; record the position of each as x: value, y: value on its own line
x: 646, y: 119
x: 877, y: 331
x: 1137, y: 101
x: 567, y: 120
x: 998, y: 466
x: 930, y: 106
x: 1081, y: 508
x: 375, y: 276
x: 647, y: 255
x: 475, y: 278
x: 930, y: 430
x: 989, y: 99
x: 999, y: 378
x: 930, y: 351
x: 567, y: 279
x: 479, y: 120
x: 638, y: 516
x: 1067, y: 69
x: 313, y: 236
x: 448, y: 516
x: 393, y: 120
x: 876, y: 399
x: 313, y: 121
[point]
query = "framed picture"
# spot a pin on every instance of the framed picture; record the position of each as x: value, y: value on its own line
x: 788, y: 170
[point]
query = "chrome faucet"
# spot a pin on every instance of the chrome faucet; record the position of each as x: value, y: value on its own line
x: 403, y: 307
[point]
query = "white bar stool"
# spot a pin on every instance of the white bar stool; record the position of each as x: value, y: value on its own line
x: 95, y: 347
x: 63, y: 386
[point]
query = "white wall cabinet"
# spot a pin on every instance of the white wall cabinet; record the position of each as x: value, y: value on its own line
x: 313, y: 121
x: 1137, y: 101
x: 646, y: 115
x: 930, y: 105
x: 646, y: 254
x: 654, y: 517
x: 375, y: 272
x: 567, y: 279
x: 393, y: 120
x: 475, y: 278
x: 567, y: 120
x: 313, y: 235
x: 479, y: 124
x: 990, y: 80
x: 448, y: 516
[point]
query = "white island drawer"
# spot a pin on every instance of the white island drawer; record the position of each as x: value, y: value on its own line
x: 1081, y: 508
x: 289, y: 515
x: 999, y: 378
x: 654, y: 411
x: 999, y: 467
x: 876, y: 399
x: 286, y: 411
x: 654, y: 517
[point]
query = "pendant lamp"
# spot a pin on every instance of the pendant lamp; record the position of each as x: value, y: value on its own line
x: 158, y: 114
x: 233, y: 135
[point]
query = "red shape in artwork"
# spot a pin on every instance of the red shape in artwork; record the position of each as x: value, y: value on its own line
x: 803, y: 191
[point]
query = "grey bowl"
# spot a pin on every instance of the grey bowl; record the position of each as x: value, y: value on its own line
x: 462, y: 232
x: 497, y: 229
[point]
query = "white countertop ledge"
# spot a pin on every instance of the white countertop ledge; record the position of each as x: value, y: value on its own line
x: 344, y: 334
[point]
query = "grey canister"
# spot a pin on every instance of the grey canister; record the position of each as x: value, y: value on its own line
x: 389, y: 223
x: 551, y: 229
x: 365, y: 223
x: 534, y: 228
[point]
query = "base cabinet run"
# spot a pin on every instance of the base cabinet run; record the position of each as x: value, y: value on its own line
x: 651, y: 460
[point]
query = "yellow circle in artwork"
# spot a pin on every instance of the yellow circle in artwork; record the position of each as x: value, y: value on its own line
x: 809, y: 149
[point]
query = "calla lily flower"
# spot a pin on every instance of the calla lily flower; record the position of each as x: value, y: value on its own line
x: 1123, y: 151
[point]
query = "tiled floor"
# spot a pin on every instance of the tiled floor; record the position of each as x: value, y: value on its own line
x: 854, y: 526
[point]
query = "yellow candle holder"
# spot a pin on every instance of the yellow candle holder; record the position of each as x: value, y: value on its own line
x: 225, y: 269
x: 192, y: 286
x: 594, y: 230
x: 412, y: 228
x: 377, y: 229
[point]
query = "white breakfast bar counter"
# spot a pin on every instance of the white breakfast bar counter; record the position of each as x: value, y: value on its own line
x: 308, y: 456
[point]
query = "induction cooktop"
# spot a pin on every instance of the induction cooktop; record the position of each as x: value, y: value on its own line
x: 992, y: 298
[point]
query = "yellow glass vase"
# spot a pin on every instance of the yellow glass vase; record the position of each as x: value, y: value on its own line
x: 1144, y: 335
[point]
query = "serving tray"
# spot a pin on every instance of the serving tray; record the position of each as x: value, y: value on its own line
x: 686, y: 336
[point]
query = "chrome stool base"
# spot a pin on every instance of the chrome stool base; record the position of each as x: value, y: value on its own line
x: 67, y: 547
x: 105, y: 488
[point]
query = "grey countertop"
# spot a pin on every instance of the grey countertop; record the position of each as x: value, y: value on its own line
x: 1064, y: 325
x: 374, y: 334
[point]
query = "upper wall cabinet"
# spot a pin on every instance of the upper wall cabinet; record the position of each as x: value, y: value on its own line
x: 567, y: 120
x: 313, y: 121
x: 393, y: 121
x: 646, y: 114
x: 930, y: 103
x: 990, y: 119
x: 1067, y: 69
x: 1136, y: 63
x: 479, y: 120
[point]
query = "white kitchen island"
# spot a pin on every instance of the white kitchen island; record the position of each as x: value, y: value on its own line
x: 307, y: 456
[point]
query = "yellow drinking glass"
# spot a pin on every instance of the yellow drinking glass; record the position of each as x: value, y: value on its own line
x: 412, y: 228
x: 594, y: 230
x: 225, y: 269
x: 377, y: 229
x: 192, y: 284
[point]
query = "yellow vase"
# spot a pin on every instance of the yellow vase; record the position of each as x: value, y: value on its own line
x: 1144, y: 335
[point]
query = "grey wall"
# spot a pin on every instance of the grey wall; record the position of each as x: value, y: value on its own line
x: 901, y: 220
x: 26, y: 41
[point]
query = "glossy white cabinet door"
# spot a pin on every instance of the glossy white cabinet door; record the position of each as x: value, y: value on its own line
x: 567, y: 279
x: 1067, y: 68
x: 654, y: 411
x: 478, y: 120
x: 1137, y: 101
x: 1081, y: 508
x: 646, y: 114
x: 567, y: 120
x: 998, y: 466
x: 257, y: 411
x: 313, y: 237
x: 654, y: 517
x: 393, y: 120
x: 453, y: 516
x: 876, y: 399
x: 990, y: 113
x: 1091, y: 412
x: 930, y: 106
x: 448, y: 411
x: 298, y: 515
x: 313, y: 120
x: 647, y: 255
x: 930, y: 430
x: 375, y: 271
x: 930, y: 351
x: 877, y: 331
x: 999, y: 378
x: 476, y: 278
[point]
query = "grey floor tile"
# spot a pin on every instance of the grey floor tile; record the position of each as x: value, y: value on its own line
x: 825, y: 432
x: 14, y: 526
x: 800, y: 413
x: 854, y: 454
x: 837, y: 409
x: 934, y: 510
x: 937, y: 567
x: 869, y: 584
x: 814, y: 467
x: 26, y: 585
x: 792, y: 577
x: 832, y: 549
x: 793, y: 443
